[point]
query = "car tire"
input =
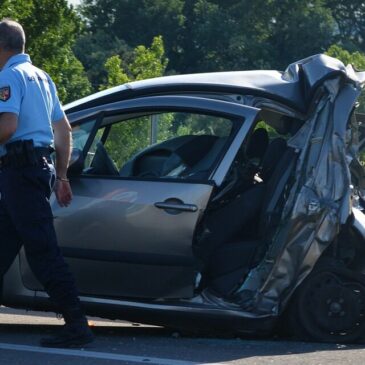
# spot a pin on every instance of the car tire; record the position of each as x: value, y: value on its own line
x: 329, y: 306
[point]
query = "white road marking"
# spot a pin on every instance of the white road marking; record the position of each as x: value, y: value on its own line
x: 100, y: 355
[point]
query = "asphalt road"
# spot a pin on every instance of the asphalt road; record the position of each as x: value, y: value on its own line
x: 124, y: 343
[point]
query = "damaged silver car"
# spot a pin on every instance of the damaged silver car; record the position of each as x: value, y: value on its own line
x: 228, y: 201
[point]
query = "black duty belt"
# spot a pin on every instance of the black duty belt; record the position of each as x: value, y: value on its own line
x: 40, y: 153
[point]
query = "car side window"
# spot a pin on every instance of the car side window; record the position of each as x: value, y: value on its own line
x: 160, y: 145
x: 81, y: 133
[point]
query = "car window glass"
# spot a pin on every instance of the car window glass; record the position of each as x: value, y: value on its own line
x: 127, y: 138
x: 81, y: 133
x: 80, y: 136
x: 169, y: 144
x: 92, y: 150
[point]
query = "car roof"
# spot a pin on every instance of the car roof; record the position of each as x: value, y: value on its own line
x: 293, y: 87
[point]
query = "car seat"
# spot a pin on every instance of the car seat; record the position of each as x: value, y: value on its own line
x: 233, y: 257
x: 272, y: 156
x: 257, y: 145
x: 226, y: 220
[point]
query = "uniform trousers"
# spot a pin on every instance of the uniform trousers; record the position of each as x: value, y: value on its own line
x: 26, y: 220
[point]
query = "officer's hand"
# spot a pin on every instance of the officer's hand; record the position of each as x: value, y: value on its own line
x: 63, y: 193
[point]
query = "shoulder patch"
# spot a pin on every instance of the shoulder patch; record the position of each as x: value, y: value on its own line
x: 5, y: 93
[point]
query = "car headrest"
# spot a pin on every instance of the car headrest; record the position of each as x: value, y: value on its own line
x: 195, y: 149
x: 257, y: 144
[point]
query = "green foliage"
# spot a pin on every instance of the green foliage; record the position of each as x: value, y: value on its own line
x: 116, y: 75
x: 128, y: 138
x: 132, y: 136
x: 68, y: 74
x: 270, y: 130
x: 357, y: 59
x: 362, y: 158
x: 94, y: 48
x: 212, y: 35
x: 298, y: 29
x: 16, y: 9
x: 51, y: 27
x: 149, y: 62
x: 350, y: 23
x: 198, y: 124
x: 146, y: 63
x: 136, y: 22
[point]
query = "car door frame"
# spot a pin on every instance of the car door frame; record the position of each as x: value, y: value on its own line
x: 245, y: 115
x: 177, y: 103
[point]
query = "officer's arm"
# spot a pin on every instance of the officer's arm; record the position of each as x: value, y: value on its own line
x: 8, y: 126
x: 62, y: 142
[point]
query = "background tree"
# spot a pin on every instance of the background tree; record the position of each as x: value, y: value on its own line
x: 94, y: 48
x: 350, y: 22
x: 299, y: 29
x: 216, y: 35
x: 146, y: 63
x: 357, y: 59
x: 135, y: 22
x: 213, y: 35
x: 51, y: 27
x: 126, y: 138
x: 115, y: 73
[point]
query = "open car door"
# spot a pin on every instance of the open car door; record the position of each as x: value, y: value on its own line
x: 150, y: 166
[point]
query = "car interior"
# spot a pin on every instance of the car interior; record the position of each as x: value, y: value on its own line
x: 242, y: 217
x: 189, y: 156
x: 185, y: 156
x: 244, y: 212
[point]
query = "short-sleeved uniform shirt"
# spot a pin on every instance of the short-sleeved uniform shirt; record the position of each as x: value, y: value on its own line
x: 31, y: 94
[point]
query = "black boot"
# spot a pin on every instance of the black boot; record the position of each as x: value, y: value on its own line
x: 75, y: 333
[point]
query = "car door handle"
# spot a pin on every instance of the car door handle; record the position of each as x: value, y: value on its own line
x: 177, y: 206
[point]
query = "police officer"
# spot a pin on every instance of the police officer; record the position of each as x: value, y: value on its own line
x: 31, y: 120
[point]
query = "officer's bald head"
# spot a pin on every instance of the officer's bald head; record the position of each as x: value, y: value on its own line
x: 12, y: 36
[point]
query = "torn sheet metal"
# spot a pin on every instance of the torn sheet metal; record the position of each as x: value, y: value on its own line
x: 320, y: 196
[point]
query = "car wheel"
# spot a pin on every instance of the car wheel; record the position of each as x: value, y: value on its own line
x: 330, y: 307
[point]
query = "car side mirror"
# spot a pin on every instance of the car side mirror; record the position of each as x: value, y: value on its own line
x: 76, y: 164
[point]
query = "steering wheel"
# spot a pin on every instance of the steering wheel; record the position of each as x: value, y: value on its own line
x: 102, y: 164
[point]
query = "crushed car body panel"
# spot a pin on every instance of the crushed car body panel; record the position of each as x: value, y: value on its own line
x: 319, y: 201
